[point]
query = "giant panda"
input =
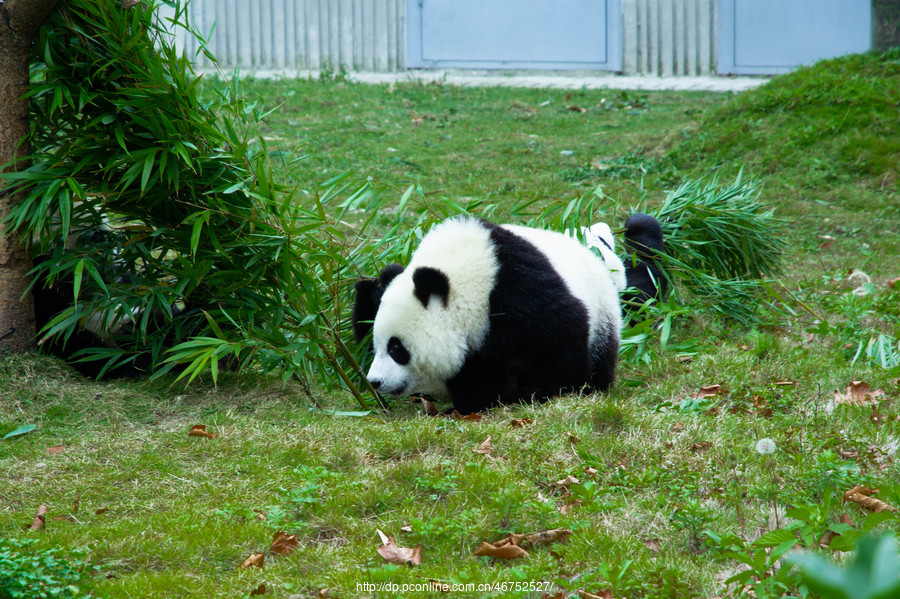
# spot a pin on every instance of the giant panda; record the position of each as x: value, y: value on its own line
x: 487, y: 314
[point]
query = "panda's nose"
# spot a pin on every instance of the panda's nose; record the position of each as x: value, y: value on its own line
x: 376, y: 383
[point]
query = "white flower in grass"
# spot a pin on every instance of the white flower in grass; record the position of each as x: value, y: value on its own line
x: 766, y: 446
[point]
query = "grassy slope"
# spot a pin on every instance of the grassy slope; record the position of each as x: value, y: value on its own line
x: 183, y: 511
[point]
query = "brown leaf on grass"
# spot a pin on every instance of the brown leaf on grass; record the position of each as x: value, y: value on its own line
x: 101, y: 510
x: 564, y: 483
x: 652, y: 545
x: 67, y: 517
x: 486, y: 447
x: 576, y: 108
x: 56, y: 450
x: 395, y: 554
x: 784, y: 383
x: 707, y: 391
x: 829, y: 535
x: 40, y: 518
x: 858, y: 394
x: 569, y: 506
x: 701, y: 446
x: 475, y: 417
x: 894, y: 283
x: 503, y: 552
x: 590, y: 471
x: 573, y: 438
x: 520, y: 422
x: 604, y: 594
x: 863, y: 496
x: 876, y: 418
x: 429, y: 408
x: 544, y: 537
x: 260, y: 590
x: 199, y: 430
x: 256, y: 560
x: 283, y: 544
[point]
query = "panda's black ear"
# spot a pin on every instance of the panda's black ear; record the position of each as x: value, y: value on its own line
x: 368, y: 298
x: 388, y: 274
x: 430, y: 281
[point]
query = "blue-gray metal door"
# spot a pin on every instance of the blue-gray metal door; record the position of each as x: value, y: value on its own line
x: 511, y: 34
x: 758, y: 37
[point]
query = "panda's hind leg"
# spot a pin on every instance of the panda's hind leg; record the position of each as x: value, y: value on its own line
x: 603, y: 368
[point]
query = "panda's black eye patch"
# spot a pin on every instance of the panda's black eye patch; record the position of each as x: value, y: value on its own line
x: 397, y: 351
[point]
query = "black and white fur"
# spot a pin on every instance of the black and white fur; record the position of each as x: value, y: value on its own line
x: 486, y: 314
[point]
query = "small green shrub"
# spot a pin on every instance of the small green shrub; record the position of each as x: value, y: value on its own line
x: 30, y: 573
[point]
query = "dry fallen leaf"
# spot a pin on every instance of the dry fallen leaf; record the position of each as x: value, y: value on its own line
x: 486, y: 448
x: 199, y: 430
x: 520, y: 422
x: 67, y: 517
x: 283, y: 544
x: 565, y: 482
x: 829, y: 535
x: 260, y: 590
x: 863, y: 496
x: 513, y: 546
x: 56, y: 450
x: 429, y: 408
x: 40, y: 518
x: 707, y: 391
x: 701, y: 446
x: 545, y: 537
x: 395, y: 554
x: 508, y: 551
x: 858, y: 394
x: 256, y: 560
x: 894, y: 283
x: 652, y: 545
x: 604, y: 594
x: 101, y: 510
x: 476, y: 417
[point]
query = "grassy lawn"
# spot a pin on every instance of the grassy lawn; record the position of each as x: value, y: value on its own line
x: 673, y: 486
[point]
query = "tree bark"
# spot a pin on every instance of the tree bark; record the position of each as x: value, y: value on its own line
x: 20, y: 21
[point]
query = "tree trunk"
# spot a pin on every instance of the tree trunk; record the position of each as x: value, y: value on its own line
x: 19, y: 23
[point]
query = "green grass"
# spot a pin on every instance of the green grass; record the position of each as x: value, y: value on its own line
x: 668, y: 484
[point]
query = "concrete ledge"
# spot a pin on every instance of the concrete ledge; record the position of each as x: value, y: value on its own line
x: 536, y: 80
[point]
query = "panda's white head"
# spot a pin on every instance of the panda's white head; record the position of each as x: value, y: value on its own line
x: 429, y: 316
